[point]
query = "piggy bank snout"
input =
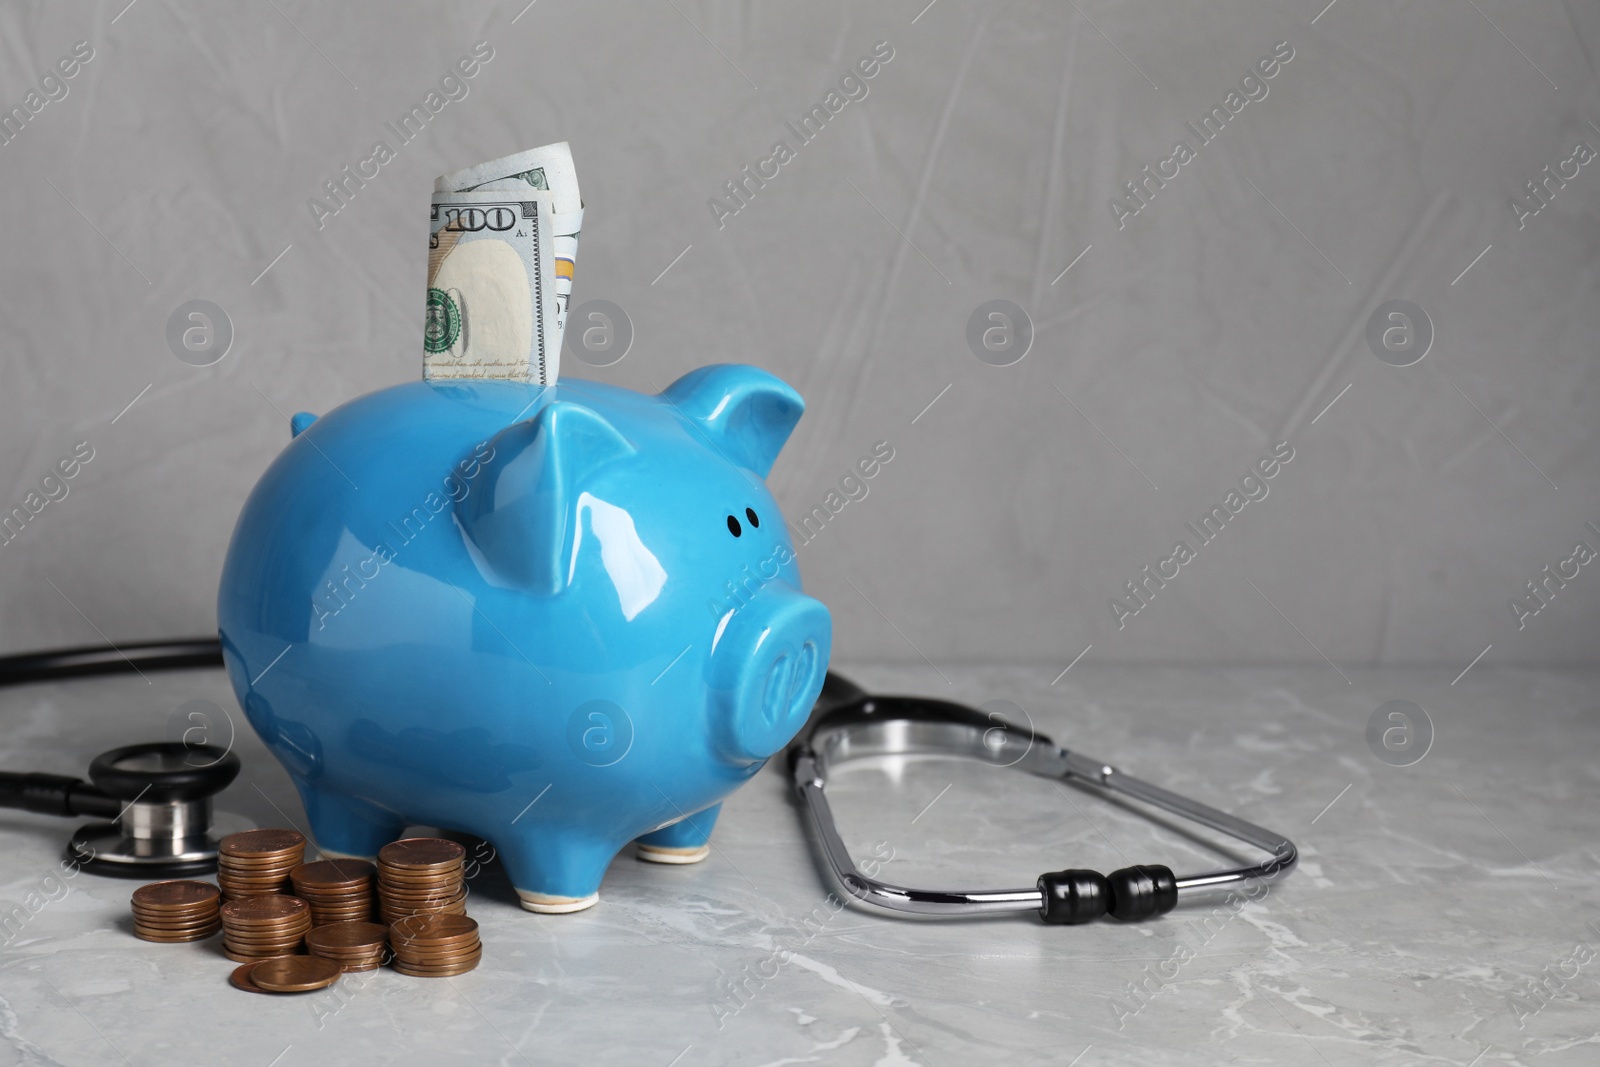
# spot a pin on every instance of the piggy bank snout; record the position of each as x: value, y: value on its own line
x: 767, y: 670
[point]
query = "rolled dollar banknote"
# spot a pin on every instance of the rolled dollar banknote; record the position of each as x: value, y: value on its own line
x: 476, y: 325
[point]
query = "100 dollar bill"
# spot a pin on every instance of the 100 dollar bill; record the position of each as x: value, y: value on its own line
x: 548, y: 169
x: 491, y: 305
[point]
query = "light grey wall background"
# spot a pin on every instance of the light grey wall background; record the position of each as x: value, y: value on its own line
x: 1177, y: 351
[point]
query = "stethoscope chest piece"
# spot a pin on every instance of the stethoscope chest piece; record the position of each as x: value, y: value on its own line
x: 162, y: 796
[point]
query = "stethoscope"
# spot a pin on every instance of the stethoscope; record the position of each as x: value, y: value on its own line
x: 153, y: 800
x: 849, y: 724
x: 157, y: 796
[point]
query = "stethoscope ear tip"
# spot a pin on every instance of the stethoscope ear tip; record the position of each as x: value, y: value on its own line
x: 1131, y: 894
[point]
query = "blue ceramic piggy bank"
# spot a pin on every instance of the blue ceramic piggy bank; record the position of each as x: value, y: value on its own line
x: 559, y: 618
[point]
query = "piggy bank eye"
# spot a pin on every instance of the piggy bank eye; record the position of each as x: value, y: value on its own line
x: 733, y: 526
x: 750, y: 514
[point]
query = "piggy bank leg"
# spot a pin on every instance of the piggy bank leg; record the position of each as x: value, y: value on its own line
x: 685, y: 841
x: 555, y: 872
x: 343, y: 826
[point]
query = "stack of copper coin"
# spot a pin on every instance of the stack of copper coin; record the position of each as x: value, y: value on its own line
x: 435, y: 946
x: 259, y: 928
x: 254, y: 863
x: 421, y: 876
x: 353, y: 946
x: 176, y: 911
x: 339, y: 891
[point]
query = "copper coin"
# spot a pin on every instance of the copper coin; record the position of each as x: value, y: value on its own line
x: 402, y: 892
x: 176, y: 928
x: 349, y: 936
x: 295, y: 974
x: 252, y: 877
x: 447, y: 972
x: 392, y: 917
x: 161, y: 896
x: 265, y: 874
x: 423, y: 953
x: 277, y: 876
x: 173, y: 939
x: 268, y: 933
x: 248, y: 843
x: 418, y: 893
x: 443, y: 878
x: 207, y: 908
x: 410, y: 950
x: 273, y: 908
x: 391, y: 873
x: 451, y: 972
x: 186, y: 928
x: 439, y: 957
x: 175, y: 915
x: 257, y: 952
x: 430, y: 926
x: 292, y: 937
x: 350, y: 903
x: 251, y: 943
x: 404, y: 911
x: 265, y: 861
x: 464, y: 943
x: 267, y: 937
x: 250, y: 937
x: 435, y: 897
x: 436, y: 972
x: 405, y: 947
x: 400, y: 914
x: 230, y: 888
x: 421, y: 852
x: 332, y: 874
x: 253, y: 957
x: 416, y: 885
x: 241, y: 979
x: 431, y: 962
x: 402, y: 903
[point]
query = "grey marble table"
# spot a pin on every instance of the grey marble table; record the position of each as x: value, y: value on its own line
x: 1443, y: 913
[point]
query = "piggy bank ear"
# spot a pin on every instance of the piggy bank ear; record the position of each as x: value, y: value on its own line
x: 744, y: 411
x: 520, y: 513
